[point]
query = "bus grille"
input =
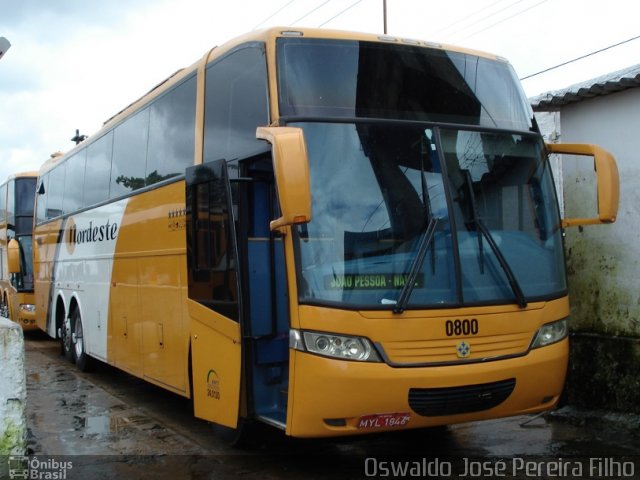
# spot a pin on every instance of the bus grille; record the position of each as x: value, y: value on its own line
x: 433, y: 402
x: 422, y: 351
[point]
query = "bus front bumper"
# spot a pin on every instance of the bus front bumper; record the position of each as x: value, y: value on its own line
x: 27, y: 320
x: 330, y: 397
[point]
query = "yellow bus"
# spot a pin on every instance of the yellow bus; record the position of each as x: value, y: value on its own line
x: 16, y: 225
x: 332, y: 233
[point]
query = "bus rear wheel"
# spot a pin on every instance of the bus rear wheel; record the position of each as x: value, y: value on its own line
x: 83, y: 361
x: 66, y: 345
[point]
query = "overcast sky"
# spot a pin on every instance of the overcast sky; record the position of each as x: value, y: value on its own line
x: 74, y: 63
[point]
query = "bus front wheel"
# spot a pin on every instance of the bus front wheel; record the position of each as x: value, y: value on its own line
x: 246, y: 435
x: 4, y: 307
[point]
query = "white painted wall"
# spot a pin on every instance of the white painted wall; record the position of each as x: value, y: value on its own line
x: 604, y: 260
x: 13, y: 390
x: 549, y: 124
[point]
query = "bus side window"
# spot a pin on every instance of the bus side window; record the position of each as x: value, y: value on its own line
x: 3, y: 201
x: 130, y: 140
x: 171, y: 126
x: 74, y: 182
x: 211, y: 252
x: 41, y: 200
x: 236, y: 102
x: 97, y: 171
x: 55, y: 191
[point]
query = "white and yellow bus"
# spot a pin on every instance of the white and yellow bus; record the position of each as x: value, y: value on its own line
x: 16, y: 225
x: 333, y: 233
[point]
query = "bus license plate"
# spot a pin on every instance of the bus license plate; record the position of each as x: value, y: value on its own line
x: 384, y: 420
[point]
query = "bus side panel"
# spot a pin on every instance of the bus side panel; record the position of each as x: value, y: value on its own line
x: 83, y: 268
x: 216, y: 365
x: 163, y: 351
x: 45, y: 246
x: 149, y: 336
x: 125, y: 327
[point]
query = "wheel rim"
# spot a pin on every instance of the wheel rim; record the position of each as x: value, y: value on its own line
x: 4, y: 308
x: 66, y: 334
x: 77, y: 337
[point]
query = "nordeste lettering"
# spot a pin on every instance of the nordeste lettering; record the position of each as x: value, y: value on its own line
x: 99, y: 233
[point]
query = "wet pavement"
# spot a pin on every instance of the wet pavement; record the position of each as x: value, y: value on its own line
x: 107, y: 424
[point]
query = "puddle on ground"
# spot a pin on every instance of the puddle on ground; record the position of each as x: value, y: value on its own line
x: 109, y: 424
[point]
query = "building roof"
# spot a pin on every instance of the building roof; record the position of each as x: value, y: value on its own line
x: 604, y: 85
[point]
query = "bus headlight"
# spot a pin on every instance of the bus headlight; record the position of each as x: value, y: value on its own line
x: 27, y: 308
x: 334, y: 346
x: 550, y: 333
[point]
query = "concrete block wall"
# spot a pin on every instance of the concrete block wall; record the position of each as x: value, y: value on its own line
x: 13, y: 390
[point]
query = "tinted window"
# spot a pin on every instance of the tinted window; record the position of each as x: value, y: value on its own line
x: 74, y: 182
x: 341, y: 78
x: 98, y: 170
x: 129, y: 154
x: 55, y: 191
x: 236, y: 102
x: 3, y: 201
x: 172, y: 133
x: 11, y: 201
x: 213, y: 277
x: 25, y: 190
x: 41, y: 200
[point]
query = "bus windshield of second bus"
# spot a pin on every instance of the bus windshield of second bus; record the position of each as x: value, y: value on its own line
x: 17, y: 224
x: 24, y: 193
x: 385, y: 167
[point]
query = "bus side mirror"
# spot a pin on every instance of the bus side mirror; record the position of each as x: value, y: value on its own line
x: 13, y: 254
x: 291, y: 169
x: 607, y: 178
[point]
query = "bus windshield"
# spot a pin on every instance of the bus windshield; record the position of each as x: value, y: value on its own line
x: 376, y: 188
x: 340, y: 78
x: 24, y: 280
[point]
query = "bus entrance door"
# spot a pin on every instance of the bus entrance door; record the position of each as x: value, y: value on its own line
x: 265, y: 296
x: 213, y: 303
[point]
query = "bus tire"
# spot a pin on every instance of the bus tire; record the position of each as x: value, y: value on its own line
x: 83, y: 361
x: 246, y: 435
x: 4, y: 307
x: 66, y: 344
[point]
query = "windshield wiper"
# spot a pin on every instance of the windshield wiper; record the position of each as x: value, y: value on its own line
x: 513, y: 281
x: 416, y: 266
x: 425, y: 241
x: 426, y: 198
x: 484, y: 232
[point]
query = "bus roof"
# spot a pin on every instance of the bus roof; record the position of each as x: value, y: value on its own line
x: 267, y: 36
x: 21, y: 175
x: 371, y: 37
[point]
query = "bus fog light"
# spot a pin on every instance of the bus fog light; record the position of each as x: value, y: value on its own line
x: 550, y: 333
x: 339, y: 346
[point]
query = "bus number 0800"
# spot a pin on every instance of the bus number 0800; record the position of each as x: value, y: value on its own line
x: 461, y: 327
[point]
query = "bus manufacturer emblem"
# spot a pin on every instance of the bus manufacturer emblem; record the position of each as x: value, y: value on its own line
x: 463, y: 349
x: 213, y: 385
